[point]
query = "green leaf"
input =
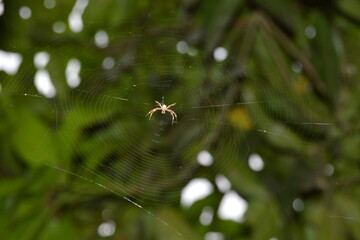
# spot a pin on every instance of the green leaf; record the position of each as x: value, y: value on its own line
x: 58, y: 229
x: 33, y: 140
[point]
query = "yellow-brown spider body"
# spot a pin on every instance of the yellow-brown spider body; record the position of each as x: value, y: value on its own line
x: 163, y: 108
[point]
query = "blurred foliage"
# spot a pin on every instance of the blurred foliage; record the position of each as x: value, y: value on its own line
x: 292, y: 63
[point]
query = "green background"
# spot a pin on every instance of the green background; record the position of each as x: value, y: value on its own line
x: 55, y: 180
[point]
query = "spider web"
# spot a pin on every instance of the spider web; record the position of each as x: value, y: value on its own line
x: 225, y: 108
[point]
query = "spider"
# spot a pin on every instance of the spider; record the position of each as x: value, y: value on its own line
x: 163, y: 108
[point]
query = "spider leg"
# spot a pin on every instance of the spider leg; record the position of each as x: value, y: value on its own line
x: 152, y: 111
x: 171, y: 105
x: 173, y: 115
x: 158, y: 103
x: 173, y: 118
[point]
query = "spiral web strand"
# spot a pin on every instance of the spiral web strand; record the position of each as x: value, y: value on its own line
x: 103, y: 121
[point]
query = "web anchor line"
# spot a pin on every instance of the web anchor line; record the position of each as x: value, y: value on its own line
x: 117, y: 194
